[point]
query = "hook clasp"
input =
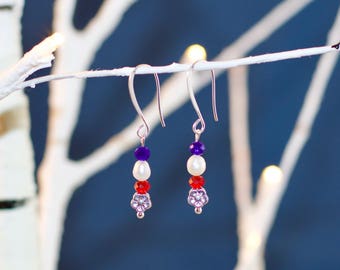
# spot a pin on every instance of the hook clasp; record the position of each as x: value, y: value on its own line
x: 200, y: 121
x: 144, y: 130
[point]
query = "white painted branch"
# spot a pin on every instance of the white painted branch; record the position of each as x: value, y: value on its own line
x: 250, y: 255
x: 256, y: 227
x: 177, y: 67
x: 63, y: 16
x: 56, y: 174
x: 39, y: 57
x: 239, y: 142
x: 110, y: 14
x: 268, y: 202
x: 263, y: 29
x: 282, y: 13
x: 18, y: 226
x: 241, y: 168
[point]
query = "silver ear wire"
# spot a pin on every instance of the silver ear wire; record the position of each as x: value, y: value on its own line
x: 144, y: 130
x: 213, y: 95
x: 200, y: 120
x: 213, y: 90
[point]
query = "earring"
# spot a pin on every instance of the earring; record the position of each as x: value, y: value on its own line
x: 196, y: 164
x: 141, y: 200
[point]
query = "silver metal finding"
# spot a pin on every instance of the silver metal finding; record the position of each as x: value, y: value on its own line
x: 144, y: 130
x: 200, y: 120
x: 213, y: 90
x: 213, y: 95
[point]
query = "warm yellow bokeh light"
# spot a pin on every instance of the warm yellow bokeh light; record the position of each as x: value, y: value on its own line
x: 195, y: 52
x: 272, y: 174
x: 254, y: 240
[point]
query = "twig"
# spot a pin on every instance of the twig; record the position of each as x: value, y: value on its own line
x: 176, y: 67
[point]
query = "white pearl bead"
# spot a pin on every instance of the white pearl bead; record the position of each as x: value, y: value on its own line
x: 141, y: 170
x: 196, y: 165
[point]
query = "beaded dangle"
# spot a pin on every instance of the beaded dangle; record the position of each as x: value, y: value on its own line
x: 196, y: 164
x: 141, y: 171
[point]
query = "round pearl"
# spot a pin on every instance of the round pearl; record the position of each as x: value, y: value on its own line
x: 141, y: 170
x: 196, y: 165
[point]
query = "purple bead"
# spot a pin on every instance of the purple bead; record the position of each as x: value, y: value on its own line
x: 142, y: 153
x: 197, y: 148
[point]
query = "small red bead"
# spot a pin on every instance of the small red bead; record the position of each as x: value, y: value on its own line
x: 142, y: 187
x: 196, y: 182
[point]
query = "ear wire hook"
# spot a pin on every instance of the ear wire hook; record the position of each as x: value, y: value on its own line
x: 213, y: 95
x: 144, y: 130
x: 200, y: 120
x: 213, y: 90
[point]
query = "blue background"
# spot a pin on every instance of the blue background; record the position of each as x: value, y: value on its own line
x: 102, y: 232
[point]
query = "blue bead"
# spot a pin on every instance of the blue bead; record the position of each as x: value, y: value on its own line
x: 197, y: 148
x: 142, y: 153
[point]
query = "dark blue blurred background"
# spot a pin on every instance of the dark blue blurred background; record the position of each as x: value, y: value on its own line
x: 102, y: 232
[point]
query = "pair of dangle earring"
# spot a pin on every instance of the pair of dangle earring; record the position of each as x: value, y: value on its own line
x: 196, y: 164
x: 141, y: 200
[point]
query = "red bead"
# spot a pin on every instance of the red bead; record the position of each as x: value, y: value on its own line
x: 142, y: 187
x: 196, y: 182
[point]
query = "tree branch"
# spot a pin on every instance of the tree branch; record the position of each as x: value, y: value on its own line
x: 57, y: 176
x: 239, y: 140
x: 177, y: 67
x: 301, y: 132
x: 39, y: 57
x: 109, y: 15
